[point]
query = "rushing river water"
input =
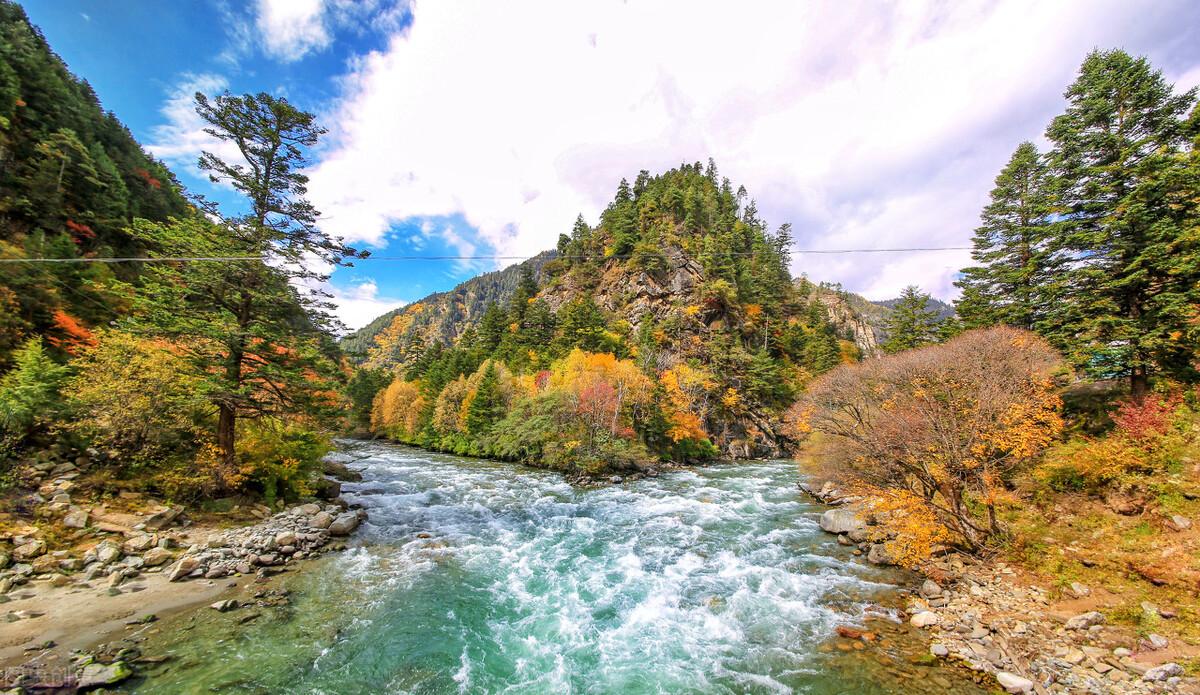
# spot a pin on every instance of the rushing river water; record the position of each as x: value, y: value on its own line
x: 480, y: 577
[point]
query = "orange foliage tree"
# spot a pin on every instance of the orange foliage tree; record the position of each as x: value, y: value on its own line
x: 947, y: 424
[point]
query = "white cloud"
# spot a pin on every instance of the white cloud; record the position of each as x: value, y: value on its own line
x: 290, y: 29
x: 864, y: 124
x: 358, y: 304
x: 180, y: 140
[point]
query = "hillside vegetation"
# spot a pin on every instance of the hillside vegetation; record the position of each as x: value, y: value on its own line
x: 670, y: 331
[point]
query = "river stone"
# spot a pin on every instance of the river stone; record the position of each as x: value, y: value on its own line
x: 1084, y: 621
x: 1012, y: 683
x: 139, y: 543
x: 309, y: 509
x: 156, y: 556
x: 344, y: 524
x: 76, y: 519
x: 841, y: 520
x: 930, y: 589
x: 939, y: 650
x: 96, y: 675
x: 925, y: 619
x: 879, y: 555
x: 285, y: 538
x: 107, y: 552
x: 321, y: 520
x: 225, y: 606
x: 1162, y: 673
x: 183, y: 568
x: 1154, y: 642
x: 29, y: 550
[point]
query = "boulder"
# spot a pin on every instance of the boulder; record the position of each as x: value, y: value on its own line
x: 98, y: 675
x: 1085, y: 620
x: 183, y: 568
x: 107, y: 552
x: 930, y: 589
x: 156, y: 556
x: 285, y: 538
x: 138, y: 544
x: 925, y: 619
x: 879, y: 555
x: 321, y: 520
x: 76, y: 519
x: 344, y: 524
x: 308, y: 509
x: 1162, y: 673
x: 163, y: 519
x: 342, y: 472
x: 1154, y: 642
x: 327, y: 489
x: 1012, y: 683
x: 841, y: 520
x: 29, y: 550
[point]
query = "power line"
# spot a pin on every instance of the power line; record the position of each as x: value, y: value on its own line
x: 237, y: 259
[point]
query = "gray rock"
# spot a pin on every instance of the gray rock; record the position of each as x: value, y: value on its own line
x: 225, y: 606
x: 1154, y: 642
x: 29, y: 550
x: 285, y: 538
x: 879, y: 555
x: 925, y: 619
x: 107, y: 552
x: 1084, y: 621
x: 156, y: 556
x: 344, y: 524
x: 1080, y: 590
x: 843, y: 520
x: 76, y: 519
x: 139, y: 543
x: 164, y: 518
x: 1012, y: 683
x: 183, y: 568
x: 321, y: 520
x: 309, y: 509
x: 939, y: 650
x: 1162, y: 673
x: 930, y: 589
x: 96, y: 675
x: 1181, y: 522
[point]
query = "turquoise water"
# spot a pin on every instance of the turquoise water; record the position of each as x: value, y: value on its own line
x: 479, y: 577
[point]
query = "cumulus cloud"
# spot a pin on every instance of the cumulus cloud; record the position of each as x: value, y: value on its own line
x: 359, y: 303
x: 180, y: 140
x: 292, y: 28
x: 864, y: 124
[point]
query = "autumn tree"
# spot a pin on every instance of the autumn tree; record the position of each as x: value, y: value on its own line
x: 261, y: 341
x: 946, y: 426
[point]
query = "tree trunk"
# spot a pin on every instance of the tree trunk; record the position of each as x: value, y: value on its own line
x: 227, y: 433
x: 1139, y: 384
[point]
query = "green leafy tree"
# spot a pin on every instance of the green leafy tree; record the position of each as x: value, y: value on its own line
x: 1011, y: 248
x: 1118, y: 174
x: 488, y: 405
x: 263, y: 344
x: 912, y: 322
x: 29, y: 393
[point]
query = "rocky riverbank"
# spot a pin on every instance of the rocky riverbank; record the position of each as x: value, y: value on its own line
x: 997, y: 621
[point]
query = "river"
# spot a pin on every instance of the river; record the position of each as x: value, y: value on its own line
x: 479, y: 577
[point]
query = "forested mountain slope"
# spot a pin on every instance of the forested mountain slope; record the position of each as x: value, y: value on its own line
x: 680, y: 279
x: 72, y: 178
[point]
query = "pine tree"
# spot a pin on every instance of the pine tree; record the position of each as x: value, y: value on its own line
x: 488, y: 404
x: 264, y: 344
x: 1011, y: 248
x: 1116, y: 154
x: 912, y: 323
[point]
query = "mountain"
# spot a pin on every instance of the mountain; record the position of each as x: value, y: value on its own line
x: 680, y: 277
x: 72, y: 179
x: 443, y: 316
x: 943, y: 309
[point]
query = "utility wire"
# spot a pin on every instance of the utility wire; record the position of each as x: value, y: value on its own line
x: 238, y: 259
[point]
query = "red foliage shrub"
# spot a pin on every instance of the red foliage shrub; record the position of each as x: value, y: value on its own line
x: 1147, y: 419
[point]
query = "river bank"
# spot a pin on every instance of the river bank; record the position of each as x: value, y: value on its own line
x: 1007, y: 625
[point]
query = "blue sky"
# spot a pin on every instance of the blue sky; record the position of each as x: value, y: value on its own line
x: 466, y: 128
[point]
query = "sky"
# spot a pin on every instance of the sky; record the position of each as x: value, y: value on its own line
x: 484, y: 128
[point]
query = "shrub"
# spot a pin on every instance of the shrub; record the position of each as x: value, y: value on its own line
x: 280, y: 458
x: 949, y: 424
x: 135, y: 398
x: 29, y: 394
